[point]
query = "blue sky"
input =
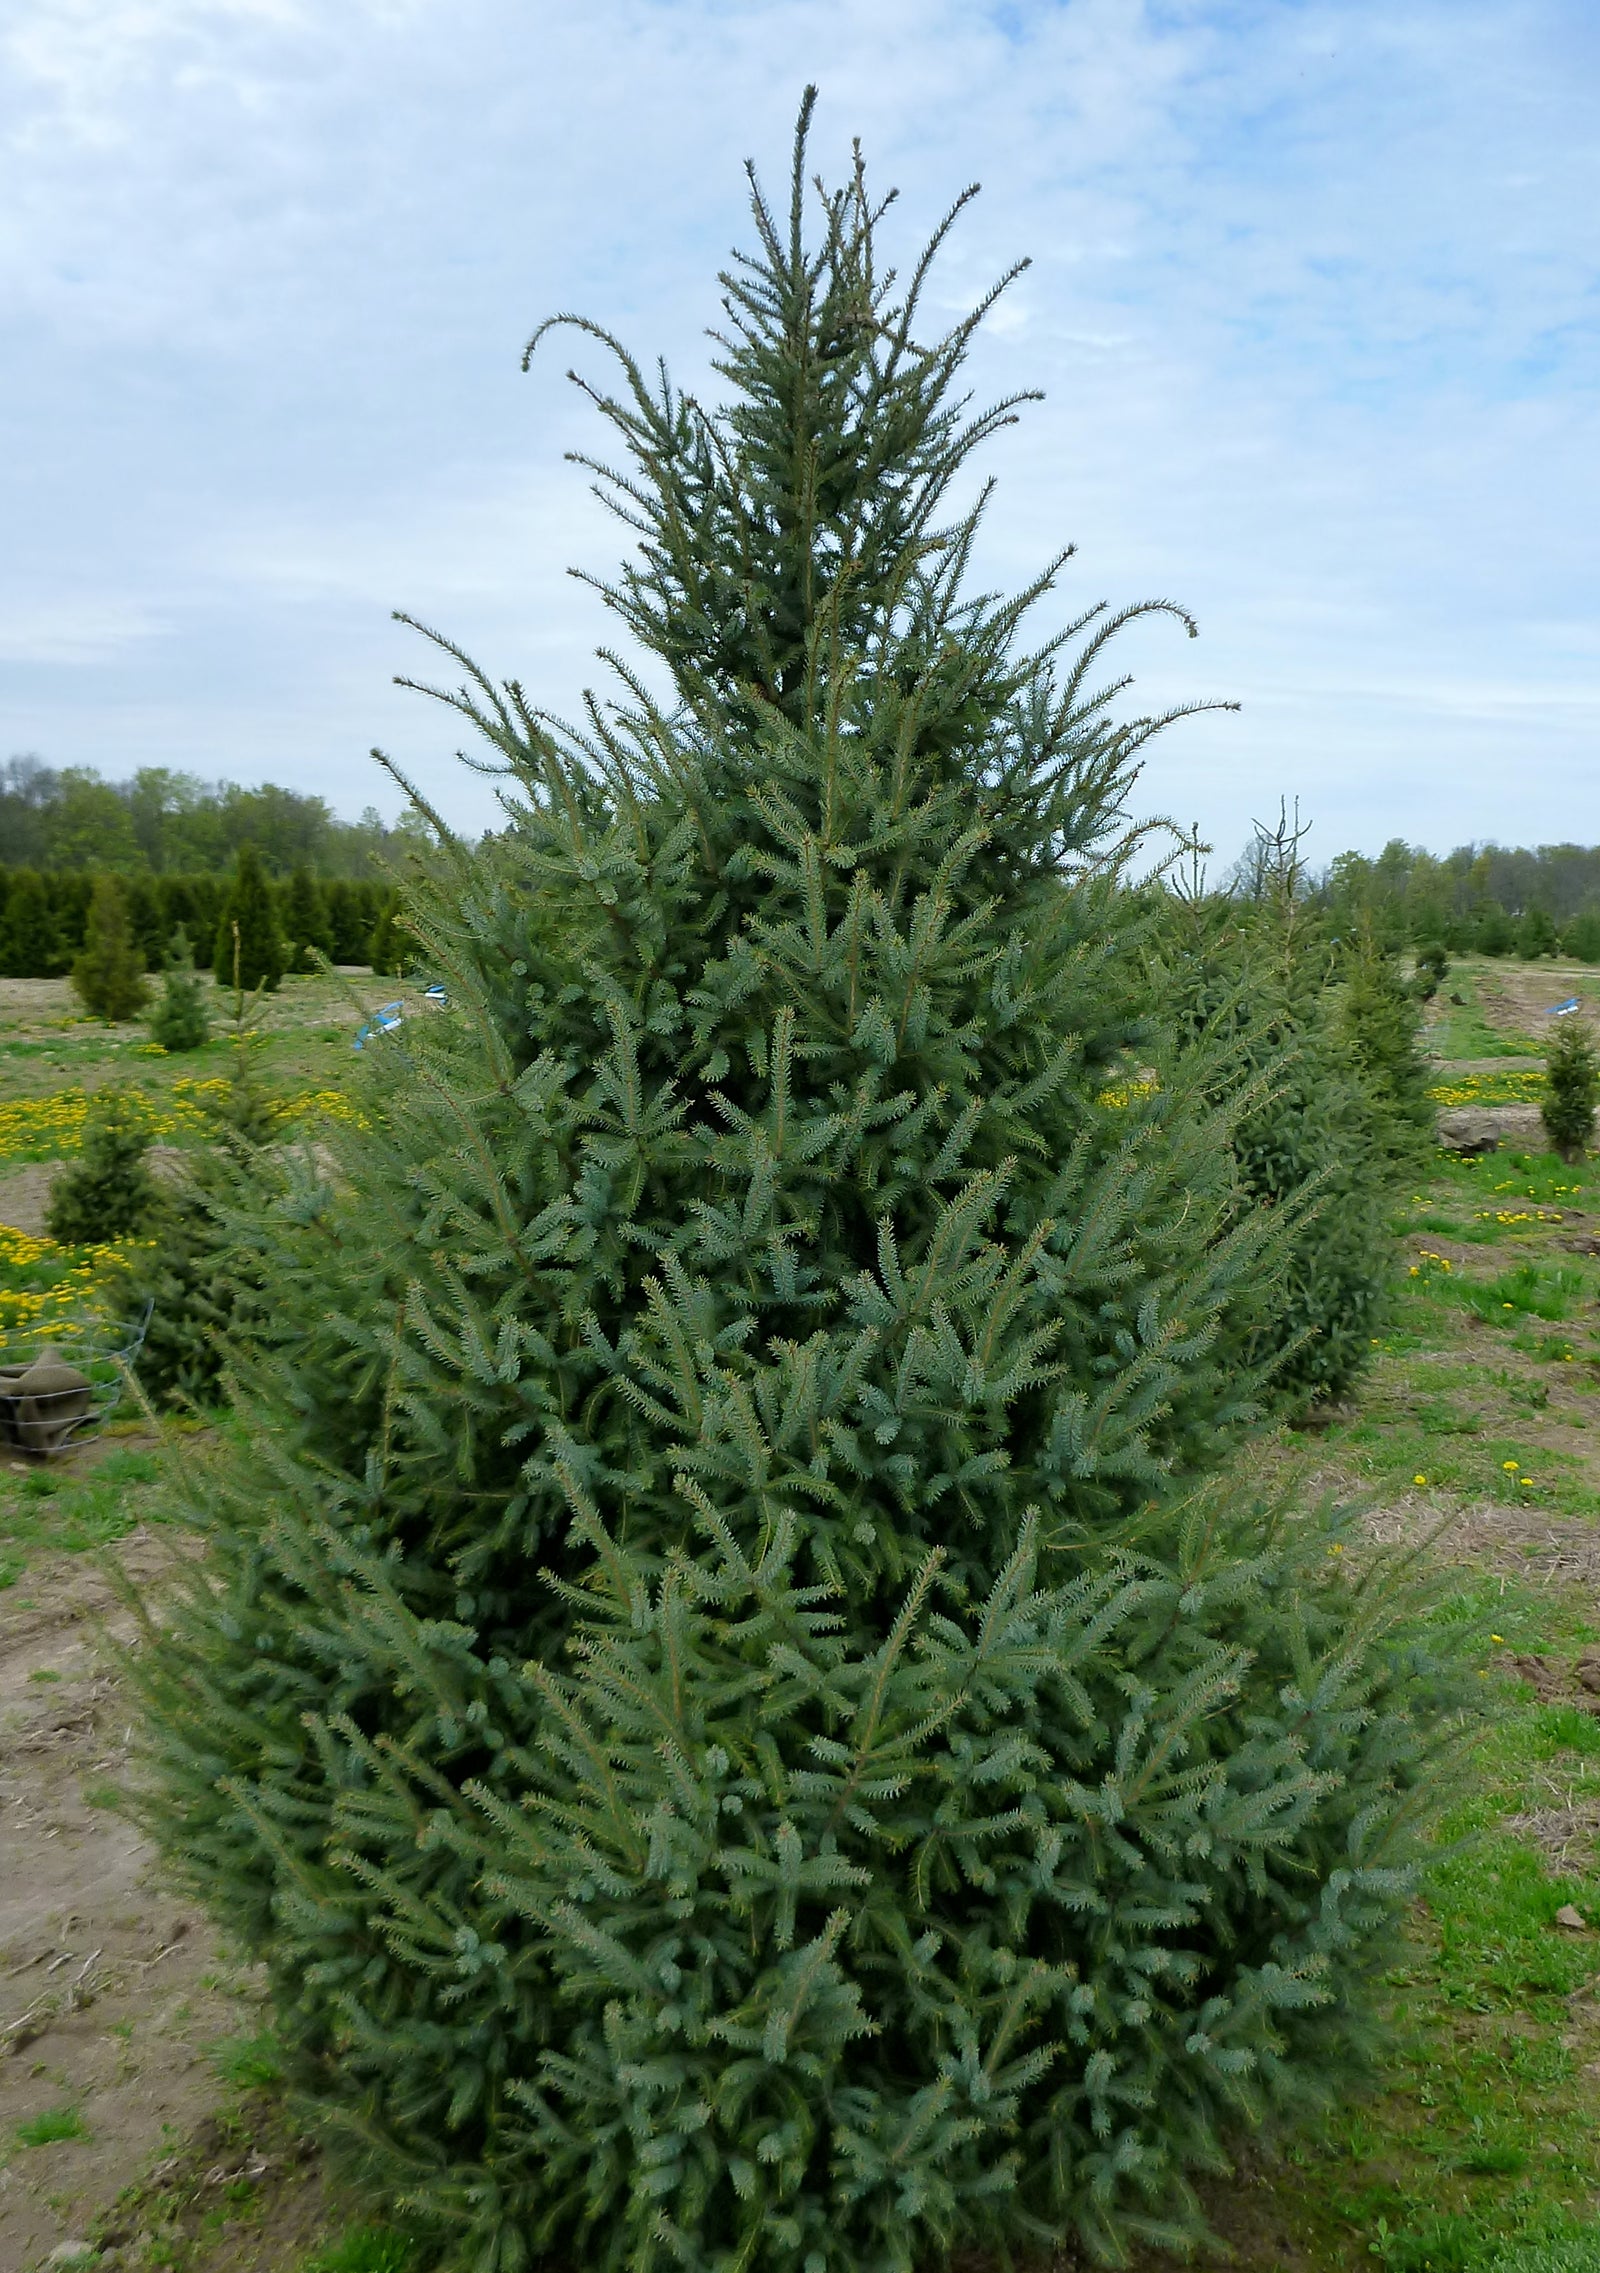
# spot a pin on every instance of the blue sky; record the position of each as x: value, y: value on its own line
x: 1314, y: 302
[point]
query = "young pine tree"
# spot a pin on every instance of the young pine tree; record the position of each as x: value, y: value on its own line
x: 1383, y: 1036
x: 30, y: 946
x: 108, y: 1192
x: 717, y: 1694
x: 146, y: 921
x: 71, y: 895
x: 204, y: 1264
x: 249, y: 947
x: 346, y: 933
x: 180, y: 907
x: 1536, y: 934
x: 305, y: 921
x: 388, y: 942
x: 1495, y: 932
x: 1581, y: 938
x: 180, y: 1019
x: 109, y: 974
x: 1432, y: 969
x: 1572, y: 1089
x: 1249, y: 970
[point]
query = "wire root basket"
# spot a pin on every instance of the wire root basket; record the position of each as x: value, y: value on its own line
x: 48, y: 1420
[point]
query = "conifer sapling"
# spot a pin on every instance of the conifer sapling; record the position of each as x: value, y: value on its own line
x: 30, y: 942
x: 180, y: 1019
x: 250, y: 949
x: 107, y: 1192
x: 388, y: 941
x: 1572, y: 1089
x: 305, y: 921
x: 109, y: 974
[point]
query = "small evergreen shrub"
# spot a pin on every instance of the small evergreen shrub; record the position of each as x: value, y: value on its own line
x: 69, y: 897
x: 30, y: 946
x: 1581, y: 939
x: 388, y: 943
x: 202, y: 1276
x: 249, y: 950
x: 719, y: 1692
x: 305, y: 922
x: 1496, y: 932
x: 107, y: 1192
x: 202, y: 1264
x: 181, y: 1019
x: 109, y: 974
x: 1382, y: 1032
x: 1308, y: 1140
x: 1433, y: 968
x: 1572, y: 1089
x: 1536, y: 934
x: 146, y: 920
x: 349, y: 925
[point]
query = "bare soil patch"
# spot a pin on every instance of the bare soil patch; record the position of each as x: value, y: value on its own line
x: 25, y: 1195
x: 1525, y: 1542
x: 37, y: 1002
x: 1517, y: 998
x: 244, y: 2193
x: 111, y: 1992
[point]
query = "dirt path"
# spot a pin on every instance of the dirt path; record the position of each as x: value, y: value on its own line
x: 25, y: 1195
x: 1517, y: 998
x: 111, y: 1992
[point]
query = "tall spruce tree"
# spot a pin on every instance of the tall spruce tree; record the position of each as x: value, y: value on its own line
x: 249, y: 951
x: 717, y: 1693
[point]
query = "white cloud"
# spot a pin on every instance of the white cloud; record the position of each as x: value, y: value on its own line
x: 73, y: 629
x: 1312, y: 299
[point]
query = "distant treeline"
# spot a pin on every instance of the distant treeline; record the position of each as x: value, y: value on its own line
x: 1479, y: 899
x: 173, y: 824
x: 43, y: 915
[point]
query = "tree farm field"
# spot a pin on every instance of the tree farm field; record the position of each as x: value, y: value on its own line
x: 139, y: 2112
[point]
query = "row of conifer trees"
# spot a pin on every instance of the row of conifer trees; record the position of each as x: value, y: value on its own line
x: 44, y: 917
x: 738, y: 1688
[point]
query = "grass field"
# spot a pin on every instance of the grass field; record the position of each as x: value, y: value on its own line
x: 1477, y: 2149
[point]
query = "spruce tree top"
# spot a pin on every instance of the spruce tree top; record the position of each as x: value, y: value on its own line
x: 798, y: 1008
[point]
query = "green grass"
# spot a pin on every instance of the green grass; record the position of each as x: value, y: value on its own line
x: 307, y: 1029
x: 1580, y: 2254
x: 1480, y: 2152
x: 1461, y: 1032
x: 366, y: 2249
x: 250, y: 2062
x: 62, y: 1510
x: 51, y: 2128
x: 1533, y: 1290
